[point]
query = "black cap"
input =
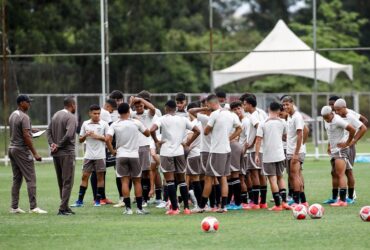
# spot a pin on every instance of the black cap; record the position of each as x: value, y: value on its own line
x: 23, y: 98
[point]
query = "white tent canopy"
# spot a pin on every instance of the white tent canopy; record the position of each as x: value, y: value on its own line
x: 297, y: 63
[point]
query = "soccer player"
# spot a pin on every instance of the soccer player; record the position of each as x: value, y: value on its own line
x: 338, y: 149
x: 93, y: 132
x: 21, y: 154
x: 61, y: 138
x: 334, y: 98
x: 259, y: 184
x: 295, y: 150
x: 144, y: 112
x: 340, y: 108
x: 181, y: 104
x: 127, y: 131
x: 224, y: 127
x: 172, y: 156
x: 271, y: 133
x: 222, y: 99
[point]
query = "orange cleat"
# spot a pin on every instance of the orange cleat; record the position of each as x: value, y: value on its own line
x: 173, y: 212
x: 276, y: 208
x: 263, y: 206
x: 285, y: 206
x: 339, y: 204
x: 187, y: 211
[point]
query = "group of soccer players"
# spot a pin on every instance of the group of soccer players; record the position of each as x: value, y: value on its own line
x: 220, y: 156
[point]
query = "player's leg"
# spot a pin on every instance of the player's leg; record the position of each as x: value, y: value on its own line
x: 351, y: 184
x: 125, y: 180
x: 17, y: 182
x: 340, y: 168
x: 263, y: 184
x: 295, y: 179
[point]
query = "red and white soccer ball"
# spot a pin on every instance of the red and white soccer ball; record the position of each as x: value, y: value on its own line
x: 209, y: 224
x: 300, y: 212
x: 365, y: 213
x: 316, y: 211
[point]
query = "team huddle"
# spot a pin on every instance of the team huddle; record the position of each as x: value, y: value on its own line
x: 220, y: 156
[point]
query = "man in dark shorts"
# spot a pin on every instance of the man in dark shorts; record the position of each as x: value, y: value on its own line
x: 61, y: 138
x: 21, y: 154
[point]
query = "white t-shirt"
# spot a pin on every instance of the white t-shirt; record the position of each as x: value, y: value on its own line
x: 272, y: 131
x: 255, y: 118
x: 286, y: 126
x: 173, y: 128
x: 95, y: 149
x: 354, y: 113
x: 147, y: 119
x: 182, y: 114
x: 205, y: 140
x: 336, y: 132
x: 295, y: 122
x: 354, y: 121
x: 115, y: 115
x: 195, y: 146
x: 105, y: 116
x: 127, y: 137
x: 223, y: 122
x: 262, y: 114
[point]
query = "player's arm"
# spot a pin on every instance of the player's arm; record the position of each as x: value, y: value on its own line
x: 147, y: 104
x: 236, y: 133
x: 98, y: 137
x: 299, y: 142
x: 253, y: 136
x: 28, y: 141
x: 108, y: 142
x: 153, y: 130
x: 364, y: 120
x: 208, y: 130
x: 195, y: 111
x: 196, y: 133
x: 328, y: 150
x: 351, y: 130
x: 306, y: 131
x: 360, y: 133
x: 258, y: 147
x: 146, y: 133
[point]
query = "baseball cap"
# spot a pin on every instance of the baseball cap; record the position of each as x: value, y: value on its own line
x: 23, y: 98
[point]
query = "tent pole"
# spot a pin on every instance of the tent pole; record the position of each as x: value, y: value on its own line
x: 5, y: 78
x: 211, y: 46
x: 314, y: 101
x: 102, y: 41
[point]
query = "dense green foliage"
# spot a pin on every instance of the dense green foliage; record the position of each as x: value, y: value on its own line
x: 160, y: 25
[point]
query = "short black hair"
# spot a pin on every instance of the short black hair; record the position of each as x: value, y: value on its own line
x: 123, y: 108
x: 116, y: 94
x: 68, y: 101
x: 281, y: 107
x: 275, y: 106
x: 245, y: 95
x: 251, y: 100
x: 94, y: 107
x: 171, y: 104
x: 195, y: 104
x: 211, y: 97
x: 333, y: 98
x: 180, y: 97
x: 235, y: 104
x: 112, y: 102
x: 221, y: 94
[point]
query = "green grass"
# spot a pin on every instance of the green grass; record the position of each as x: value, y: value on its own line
x: 106, y: 227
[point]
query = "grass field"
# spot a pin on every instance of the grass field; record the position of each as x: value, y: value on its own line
x: 107, y: 228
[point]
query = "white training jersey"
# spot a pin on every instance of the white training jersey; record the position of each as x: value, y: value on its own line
x: 354, y: 113
x: 286, y: 126
x: 105, y: 116
x: 336, y: 132
x: 254, y: 119
x: 295, y: 122
x: 272, y: 131
x: 147, y: 119
x: 205, y: 140
x: 195, y: 146
x: 173, y: 128
x: 95, y: 149
x: 245, y: 127
x: 351, y: 119
x: 127, y: 137
x: 115, y: 115
x: 223, y: 122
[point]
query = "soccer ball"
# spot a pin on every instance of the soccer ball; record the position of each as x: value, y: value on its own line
x: 365, y: 213
x: 209, y: 224
x: 316, y: 211
x: 300, y: 212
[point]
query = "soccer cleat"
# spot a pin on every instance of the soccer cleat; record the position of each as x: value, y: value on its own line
x: 305, y: 204
x: 141, y: 211
x: 173, y: 212
x: 196, y: 210
x: 66, y: 212
x: 263, y: 206
x: 254, y: 206
x: 230, y: 207
x: 119, y: 204
x: 70, y: 211
x: 16, y: 211
x: 78, y: 204
x: 221, y: 210
x: 97, y: 204
x: 246, y: 206
x: 214, y: 209
x: 354, y: 195
x: 162, y: 204
x: 350, y: 201
x: 285, y: 206
x: 236, y: 207
x: 144, y: 204
x: 276, y: 208
x: 339, y: 204
x: 291, y: 202
x: 187, y: 211
x: 293, y: 205
x: 106, y: 201
x: 330, y: 201
x: 127, y: 211
x: 38, y: 210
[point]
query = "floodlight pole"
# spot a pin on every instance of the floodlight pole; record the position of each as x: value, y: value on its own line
x: 106, y: 32
x: 5, y: 77
x: 314, y: 96
x: 102, y: 41
x: 211, y: 46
